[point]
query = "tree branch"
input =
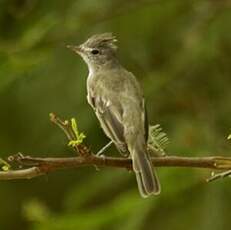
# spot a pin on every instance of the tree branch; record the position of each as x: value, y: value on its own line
x: 36, y: 166
x: 41, y: 166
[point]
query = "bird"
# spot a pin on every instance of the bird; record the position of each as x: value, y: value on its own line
x: 117, y: 100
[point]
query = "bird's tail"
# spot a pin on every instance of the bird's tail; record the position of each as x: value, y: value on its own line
x: 146, y: 177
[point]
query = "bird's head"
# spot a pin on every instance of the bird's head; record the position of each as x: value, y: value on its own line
x: 99, y: 49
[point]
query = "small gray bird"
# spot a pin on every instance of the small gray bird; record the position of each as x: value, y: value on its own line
x: 117, y: 100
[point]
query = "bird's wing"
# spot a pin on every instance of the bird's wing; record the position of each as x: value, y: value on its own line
x: 110, y: 117
x: 145, y: 117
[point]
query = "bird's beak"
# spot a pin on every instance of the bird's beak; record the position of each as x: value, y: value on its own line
x: 76, y: 49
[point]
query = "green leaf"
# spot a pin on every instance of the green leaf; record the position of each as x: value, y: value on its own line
x: 78, y: 135
x: 74, y: 127
x: 73, y: 143
x: 157, y: 139
x: 229, y: 137
x: 5, y: 165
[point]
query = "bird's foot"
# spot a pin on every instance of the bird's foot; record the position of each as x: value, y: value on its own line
x: 102, y: 150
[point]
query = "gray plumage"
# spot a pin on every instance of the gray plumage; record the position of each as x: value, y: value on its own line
x: 117, y: 100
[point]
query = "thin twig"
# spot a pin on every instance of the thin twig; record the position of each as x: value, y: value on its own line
x: 21, y: 174
x: 216, y: 176
x: 65, y: 126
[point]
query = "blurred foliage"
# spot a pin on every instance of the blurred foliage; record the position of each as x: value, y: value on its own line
x: 179, y: 50
x: 157, y: 139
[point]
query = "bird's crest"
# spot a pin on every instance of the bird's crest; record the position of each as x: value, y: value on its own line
x: 102, y: 40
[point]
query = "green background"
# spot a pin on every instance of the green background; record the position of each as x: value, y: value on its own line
x: 179, y: 51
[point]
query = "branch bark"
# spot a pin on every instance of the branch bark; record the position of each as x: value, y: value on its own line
x: 40, y: 166
x: 36, y: 166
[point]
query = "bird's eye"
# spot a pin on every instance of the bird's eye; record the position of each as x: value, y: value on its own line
x: 95, y: 51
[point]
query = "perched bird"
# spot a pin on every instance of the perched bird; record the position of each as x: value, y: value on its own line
x: 117, y: 100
